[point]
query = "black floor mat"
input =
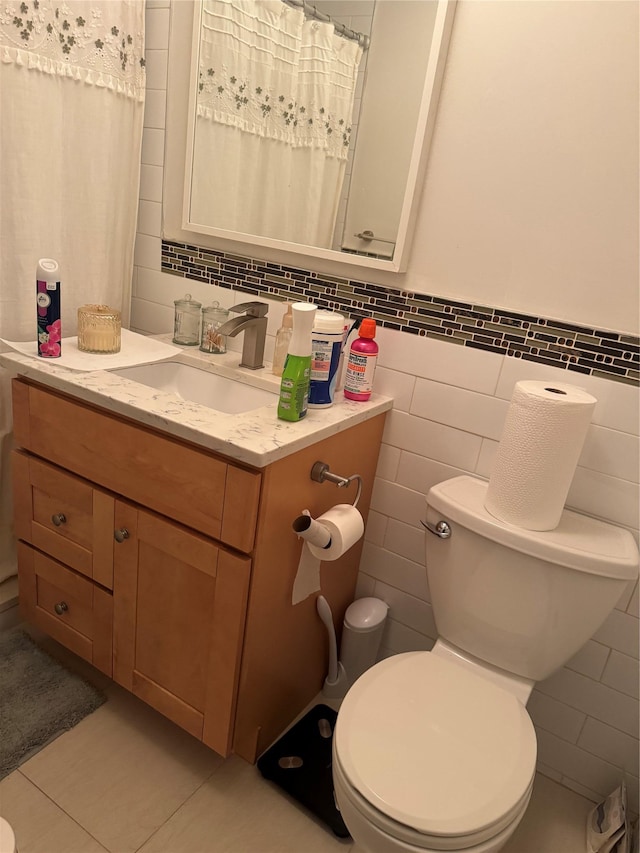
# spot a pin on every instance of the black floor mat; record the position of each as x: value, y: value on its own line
x: 300, y: 763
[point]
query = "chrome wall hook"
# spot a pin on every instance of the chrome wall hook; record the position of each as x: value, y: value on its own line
x: 320, y: 472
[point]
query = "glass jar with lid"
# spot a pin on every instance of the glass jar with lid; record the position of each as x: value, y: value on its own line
x: 213, y: 316
x: 186, y: 322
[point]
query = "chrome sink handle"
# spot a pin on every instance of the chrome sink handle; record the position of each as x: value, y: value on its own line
x: 441, y: 529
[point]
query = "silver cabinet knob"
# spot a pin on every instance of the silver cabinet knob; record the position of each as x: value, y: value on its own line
x: 59, y: 518
x: 61, y: 607
x: 121, y: 535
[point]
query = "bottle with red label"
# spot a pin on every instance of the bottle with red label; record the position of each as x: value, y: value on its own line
x: 361, y: 365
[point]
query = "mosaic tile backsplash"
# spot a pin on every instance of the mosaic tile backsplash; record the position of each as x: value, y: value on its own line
x: 577, y: 348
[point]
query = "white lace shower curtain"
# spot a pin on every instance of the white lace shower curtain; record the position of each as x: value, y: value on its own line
x: 274, y: 109
x: 71, y: 111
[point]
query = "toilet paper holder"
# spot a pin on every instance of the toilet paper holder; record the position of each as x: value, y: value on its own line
x: 320, y: 472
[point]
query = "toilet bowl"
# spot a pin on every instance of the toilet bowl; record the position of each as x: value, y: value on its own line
x: 456, y: 777
x: 377, y: 834
x: 435, y: 751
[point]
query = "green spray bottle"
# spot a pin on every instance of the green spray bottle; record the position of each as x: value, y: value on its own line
x: 294, y: 385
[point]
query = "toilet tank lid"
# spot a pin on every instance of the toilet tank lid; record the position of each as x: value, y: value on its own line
x: 578, y: 542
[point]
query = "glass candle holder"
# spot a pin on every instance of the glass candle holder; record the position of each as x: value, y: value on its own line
x: 98, y: 329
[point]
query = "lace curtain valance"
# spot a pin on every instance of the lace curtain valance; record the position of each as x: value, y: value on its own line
x: 98, y: 42
x: 265, y: 69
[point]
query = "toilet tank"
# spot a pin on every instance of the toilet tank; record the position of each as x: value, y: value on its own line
x: 522, y: 600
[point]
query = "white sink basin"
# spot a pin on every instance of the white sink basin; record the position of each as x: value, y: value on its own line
x: 199, y: 386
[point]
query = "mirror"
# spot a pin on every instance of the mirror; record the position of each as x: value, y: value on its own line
x: 306, y: 140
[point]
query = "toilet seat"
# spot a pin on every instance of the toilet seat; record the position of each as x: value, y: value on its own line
x: 435, y: 749
x: 7, y: 838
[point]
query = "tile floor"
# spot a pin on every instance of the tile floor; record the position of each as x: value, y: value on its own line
x: 125, y: 779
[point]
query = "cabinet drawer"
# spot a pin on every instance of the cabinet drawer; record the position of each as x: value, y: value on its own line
x: 64, y: 516
x: 67, y: 606
x: 193, y: 486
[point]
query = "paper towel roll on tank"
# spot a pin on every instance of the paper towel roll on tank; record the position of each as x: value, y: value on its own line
x: 543, y: 436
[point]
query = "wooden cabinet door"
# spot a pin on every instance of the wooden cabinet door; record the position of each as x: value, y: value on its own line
x: 179, y: 611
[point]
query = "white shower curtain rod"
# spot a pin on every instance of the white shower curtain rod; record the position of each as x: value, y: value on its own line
x: 310, y: 10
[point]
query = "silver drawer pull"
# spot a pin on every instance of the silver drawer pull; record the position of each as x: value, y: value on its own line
x: 441, y: 529
x: 59, y: 518
x: 61, y: 607
x: 121, y: 535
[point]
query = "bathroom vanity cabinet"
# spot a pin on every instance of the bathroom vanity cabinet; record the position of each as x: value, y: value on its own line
x: 170, y: 567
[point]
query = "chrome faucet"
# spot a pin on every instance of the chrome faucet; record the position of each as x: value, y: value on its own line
x: 253, y: 323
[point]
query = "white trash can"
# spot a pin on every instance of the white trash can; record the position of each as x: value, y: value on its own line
x: 361, y: 635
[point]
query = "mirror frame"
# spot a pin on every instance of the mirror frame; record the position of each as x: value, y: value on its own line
x: 179, y: 142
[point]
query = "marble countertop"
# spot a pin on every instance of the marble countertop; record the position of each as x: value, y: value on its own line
x: 256, y: 438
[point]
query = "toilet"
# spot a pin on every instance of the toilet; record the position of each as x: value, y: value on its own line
x: 435, y: 750
x: 7, y: 838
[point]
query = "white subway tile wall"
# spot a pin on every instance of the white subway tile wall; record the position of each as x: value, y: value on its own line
x: 153, y: 146
x: 151, y: 183
x: 150, y: 218
x: 450, y: 403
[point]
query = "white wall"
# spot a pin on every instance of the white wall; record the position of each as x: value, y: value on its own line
x: 450, y: 402
x: 531, y: 197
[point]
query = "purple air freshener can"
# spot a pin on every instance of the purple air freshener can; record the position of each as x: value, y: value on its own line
x: 48, y: 309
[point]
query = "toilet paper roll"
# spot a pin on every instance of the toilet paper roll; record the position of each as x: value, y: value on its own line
x: 307, y: 579
x: 344, y: 526
x: 542, y: 440
x: 310, y: 530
